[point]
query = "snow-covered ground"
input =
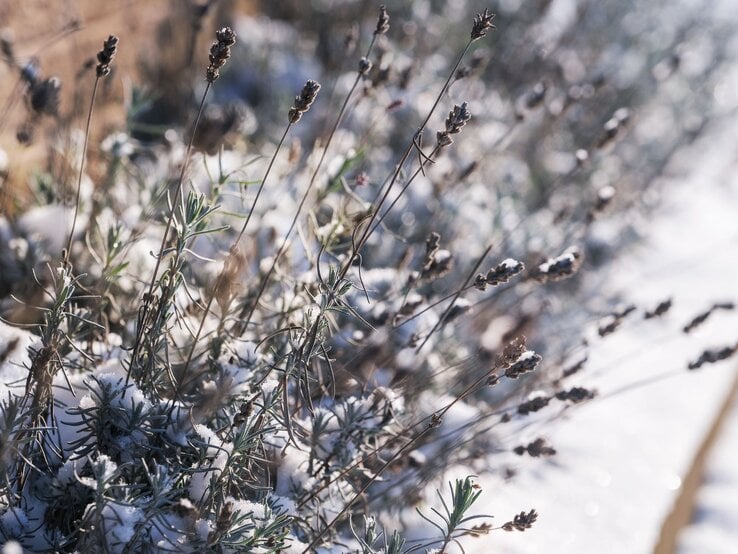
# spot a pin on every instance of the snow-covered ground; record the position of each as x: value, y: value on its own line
x: 622, y: 458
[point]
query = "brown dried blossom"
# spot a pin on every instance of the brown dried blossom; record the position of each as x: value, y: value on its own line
x: 662, y: 307
x: 382, y: 21
x: 511, y: 352
x: 713, y: 355
x: 457, y: 118
x: 535, y: 449
x: 437, y: 261
x: 505, y: 270
x: 575, y: 395
x: 222, y: 523
x: 482, y: 22
x: 699, y: 319
x: 44, y: 96
x: 528, y: 361
x: 522, y: 521
x: 106, y: 55
x: 228, y: 280
x: 611, y: 322
x: 304, y: 100
x: 575, y: 367
x: 561, y: 267
x: 220, y: 51
x: 533, y: 405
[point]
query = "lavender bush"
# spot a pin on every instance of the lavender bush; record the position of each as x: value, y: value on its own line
x: 280, y: 327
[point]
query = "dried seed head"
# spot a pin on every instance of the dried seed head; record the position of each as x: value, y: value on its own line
x: 700, y: 318
x: 535, y: 449
x: 457, y: 118
x: 662, y: 307
x: 482, y: 22
x: 480, y: 282
x: 533, y: 405
x: 561, y: 267
x: 382, y: 21
x: 220, y: 51
x: 504, y: 271
x: 437, y: 264
x: 437, y: 261
x: 106, y: 55
x: 304, y: 100
x: 44, y: 96
x: 527, y: 361
x: 522, y: 521
x: 712, y: 356
x: 365, y: 65
x: 511, y: 352
x: 575, y: 395
x: 222, y: 523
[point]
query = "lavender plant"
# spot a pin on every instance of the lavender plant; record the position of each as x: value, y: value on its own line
x: 289, y: 345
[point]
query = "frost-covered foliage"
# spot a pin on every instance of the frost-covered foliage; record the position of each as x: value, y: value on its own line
x: 286, y: 345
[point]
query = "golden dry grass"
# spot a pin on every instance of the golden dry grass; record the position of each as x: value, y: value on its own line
x: 65, y: 35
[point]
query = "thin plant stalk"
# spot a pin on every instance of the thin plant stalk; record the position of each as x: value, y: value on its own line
x: 148, y: 297
x: 283, y: 246
x: 104, y: 58
x: 404, y: 188
x: 81, y: 169
x: 379, y: 202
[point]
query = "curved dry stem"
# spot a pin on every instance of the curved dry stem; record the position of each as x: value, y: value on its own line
x: 81, y: 170
x: 283, y: 246
x: 177, y: 195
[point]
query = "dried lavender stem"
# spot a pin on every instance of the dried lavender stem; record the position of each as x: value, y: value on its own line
x: 283, y: 246
x: 378, y: 205
x: 402, y: 191
x: 81, y: 170
x: 178, y: 193
x: 312, y: 335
